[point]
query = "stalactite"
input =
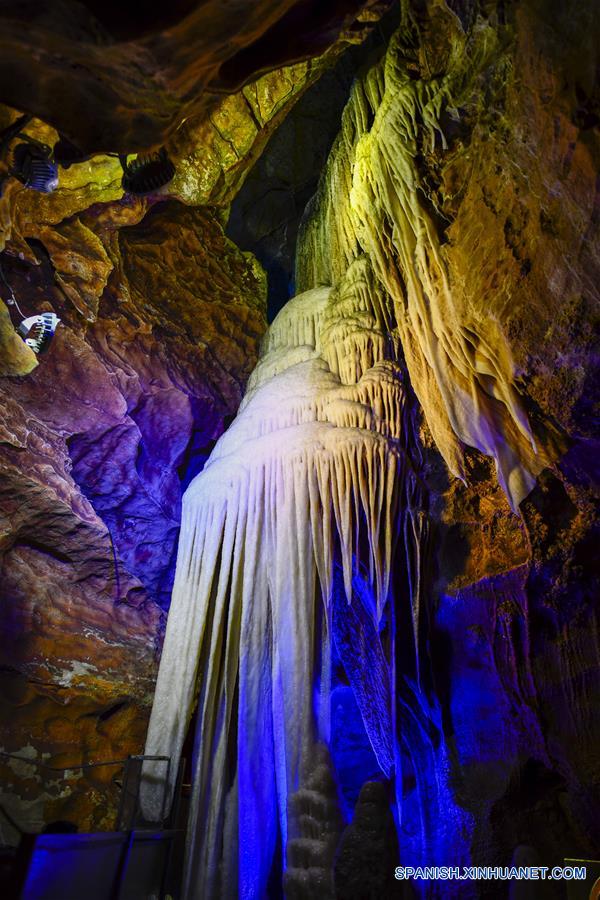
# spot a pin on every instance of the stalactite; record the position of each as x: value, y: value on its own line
x: 371, y: 200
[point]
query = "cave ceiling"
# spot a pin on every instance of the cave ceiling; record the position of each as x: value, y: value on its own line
x: 111, y: 77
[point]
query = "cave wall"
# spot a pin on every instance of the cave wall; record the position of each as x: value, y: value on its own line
x: 96, y: 445
x: 515, y: 624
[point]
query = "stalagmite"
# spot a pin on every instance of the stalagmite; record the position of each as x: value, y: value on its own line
x: 312, y: 474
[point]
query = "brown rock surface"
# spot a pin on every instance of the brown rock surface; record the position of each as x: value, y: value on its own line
x: 96, y: 444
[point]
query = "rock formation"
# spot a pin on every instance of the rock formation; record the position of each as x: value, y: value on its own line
x: 314, y: 469
x: 96, y: 444
x: 378, y: 261
x: 132, y: 79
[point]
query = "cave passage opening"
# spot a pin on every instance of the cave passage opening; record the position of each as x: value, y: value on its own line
x: 267, y: 211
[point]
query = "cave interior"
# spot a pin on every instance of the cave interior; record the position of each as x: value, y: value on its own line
x: 299, y: 456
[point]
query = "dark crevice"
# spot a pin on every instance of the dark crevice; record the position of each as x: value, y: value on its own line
x: 41, y: 547
x: 266, y: 213
x: 107, y: 713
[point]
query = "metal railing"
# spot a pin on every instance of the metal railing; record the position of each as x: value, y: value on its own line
x: 132, y: 825
x: 132, y: 765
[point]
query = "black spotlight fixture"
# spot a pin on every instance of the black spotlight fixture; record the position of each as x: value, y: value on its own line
x: 147, y: 173
x: 33, y: 166
x: 30, y: 162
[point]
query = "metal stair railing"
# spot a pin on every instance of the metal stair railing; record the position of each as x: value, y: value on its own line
x: 129, y: 820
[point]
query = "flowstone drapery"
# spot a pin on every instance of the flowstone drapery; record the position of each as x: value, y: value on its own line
x: 312, y: 475
x: 371, y: 199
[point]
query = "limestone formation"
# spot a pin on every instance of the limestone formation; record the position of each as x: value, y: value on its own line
x: 315, y: 469
x: 386, y: 279
x: 372, y: 199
